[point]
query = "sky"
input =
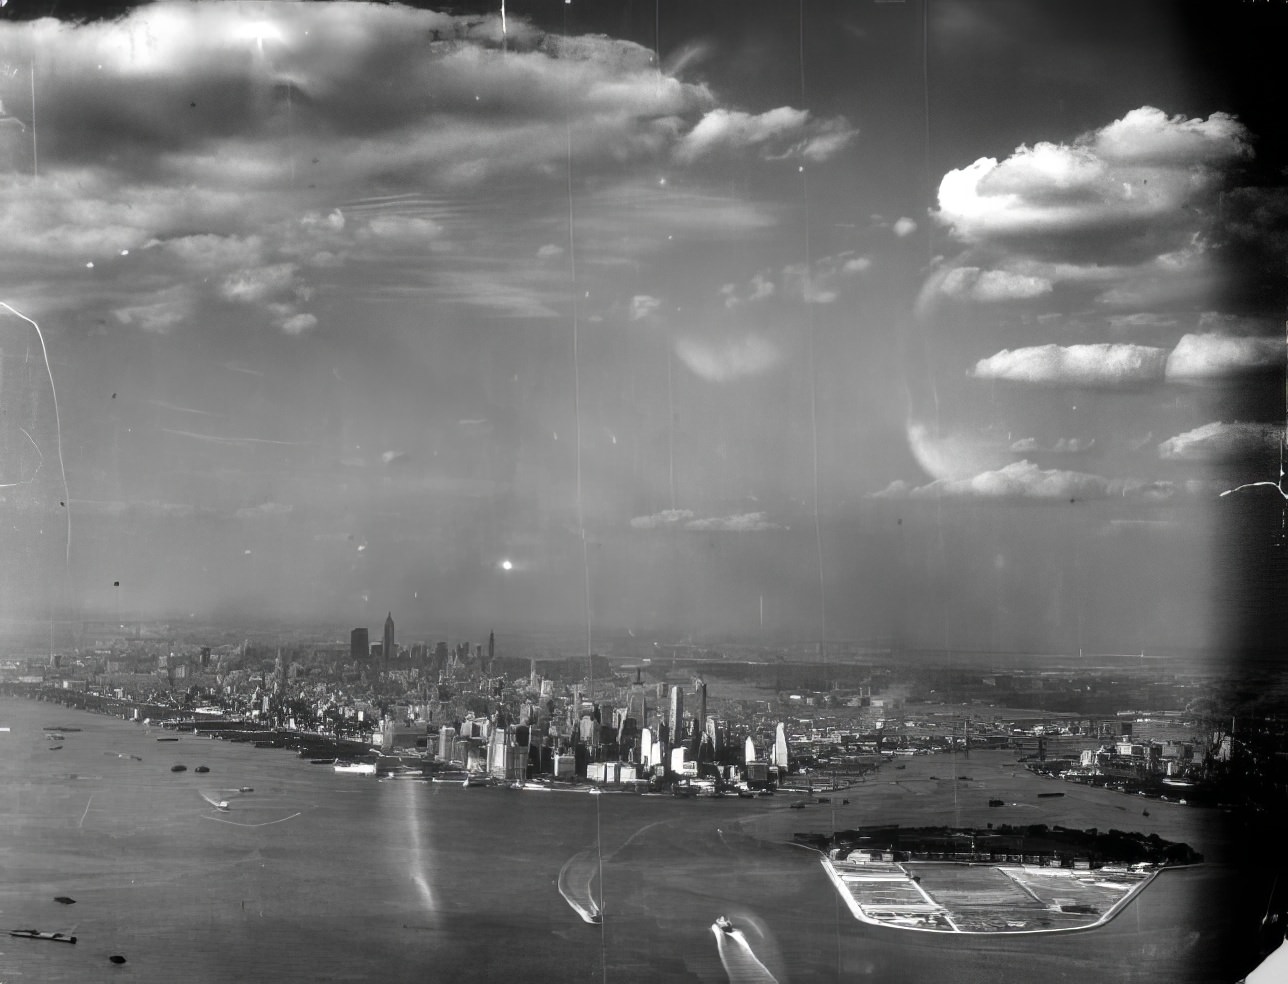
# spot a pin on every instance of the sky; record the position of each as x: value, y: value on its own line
x: 936, y: 325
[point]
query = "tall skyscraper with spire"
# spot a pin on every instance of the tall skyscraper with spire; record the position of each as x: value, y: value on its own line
x: 388, y: 651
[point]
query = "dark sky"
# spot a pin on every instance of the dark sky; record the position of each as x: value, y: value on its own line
x: 945, y: 326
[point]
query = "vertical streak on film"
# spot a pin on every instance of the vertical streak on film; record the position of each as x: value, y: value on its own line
x: 58, y: 428
x: 35, y: 168
x: 813, y: 372
x: 576, y: 366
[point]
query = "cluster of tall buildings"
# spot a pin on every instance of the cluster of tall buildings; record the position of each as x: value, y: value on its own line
x: 361, y: 649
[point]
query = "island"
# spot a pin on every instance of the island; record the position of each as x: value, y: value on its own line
x: 1031, y: 879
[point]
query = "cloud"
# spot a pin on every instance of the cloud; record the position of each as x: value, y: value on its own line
x: 667, y: 518
x: 824, y: 281
x: 296, y: 323
x: 740, y: 523
x: 265, y: 510
x: 642, y: 305
x: 1199, y: 357
x: 166, y: 310
x: 904, y: 226
x: 974, y: 284
x: 1098, y: 365
x: 405, y: 229
x: 1143, y: 168
x: 1149, y: 136
x: 245, y: 124
x: 759, y: 288
x: 729, y: 359
x: 1025, y: 481
x: 1218, y: 441
x: 1141, y: 319
x: 256, y: 284
x: 776, y: 133
x: 1063, y: 445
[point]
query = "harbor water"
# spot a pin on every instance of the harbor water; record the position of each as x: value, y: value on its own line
x: 307, y: 875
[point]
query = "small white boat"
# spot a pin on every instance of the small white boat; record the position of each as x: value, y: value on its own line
x: 356, y: 768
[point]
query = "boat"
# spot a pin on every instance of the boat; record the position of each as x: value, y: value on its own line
x: 329, y: 761
x: 65, y: 899
x: 1048, y: 795
x: 54, y: 736
x: 178, y: 768
x: 356, y: 768
x: 723, y: 924
x: 35, y: 934
x: 167, y: 739
x: 202, y: 768
x: 246, y: 789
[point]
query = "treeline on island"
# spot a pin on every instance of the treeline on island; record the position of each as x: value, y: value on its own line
x: 1007, y: 842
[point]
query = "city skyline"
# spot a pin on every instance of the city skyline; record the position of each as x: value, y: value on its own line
x: 943, y: 324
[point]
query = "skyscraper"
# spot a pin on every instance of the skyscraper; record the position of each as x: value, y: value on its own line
x: 677, y: 717
x: 388, y: 651
x: 359, y: 646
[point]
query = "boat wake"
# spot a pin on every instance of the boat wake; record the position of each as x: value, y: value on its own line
x: 740, y: 962
x: 576, y: 880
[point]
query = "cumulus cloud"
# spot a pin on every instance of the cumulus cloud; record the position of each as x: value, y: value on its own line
x: 1217, y: 441
x: 904, y: 226
x: 1025, y: 481
x: 1142, y: 168
x: 740, y: 523
x: 1199, y: 357
x: 1098, y: 365
x: 972, y: 283
x: 549, y: 251
x: 728, y: 359
x: 661, y: 520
